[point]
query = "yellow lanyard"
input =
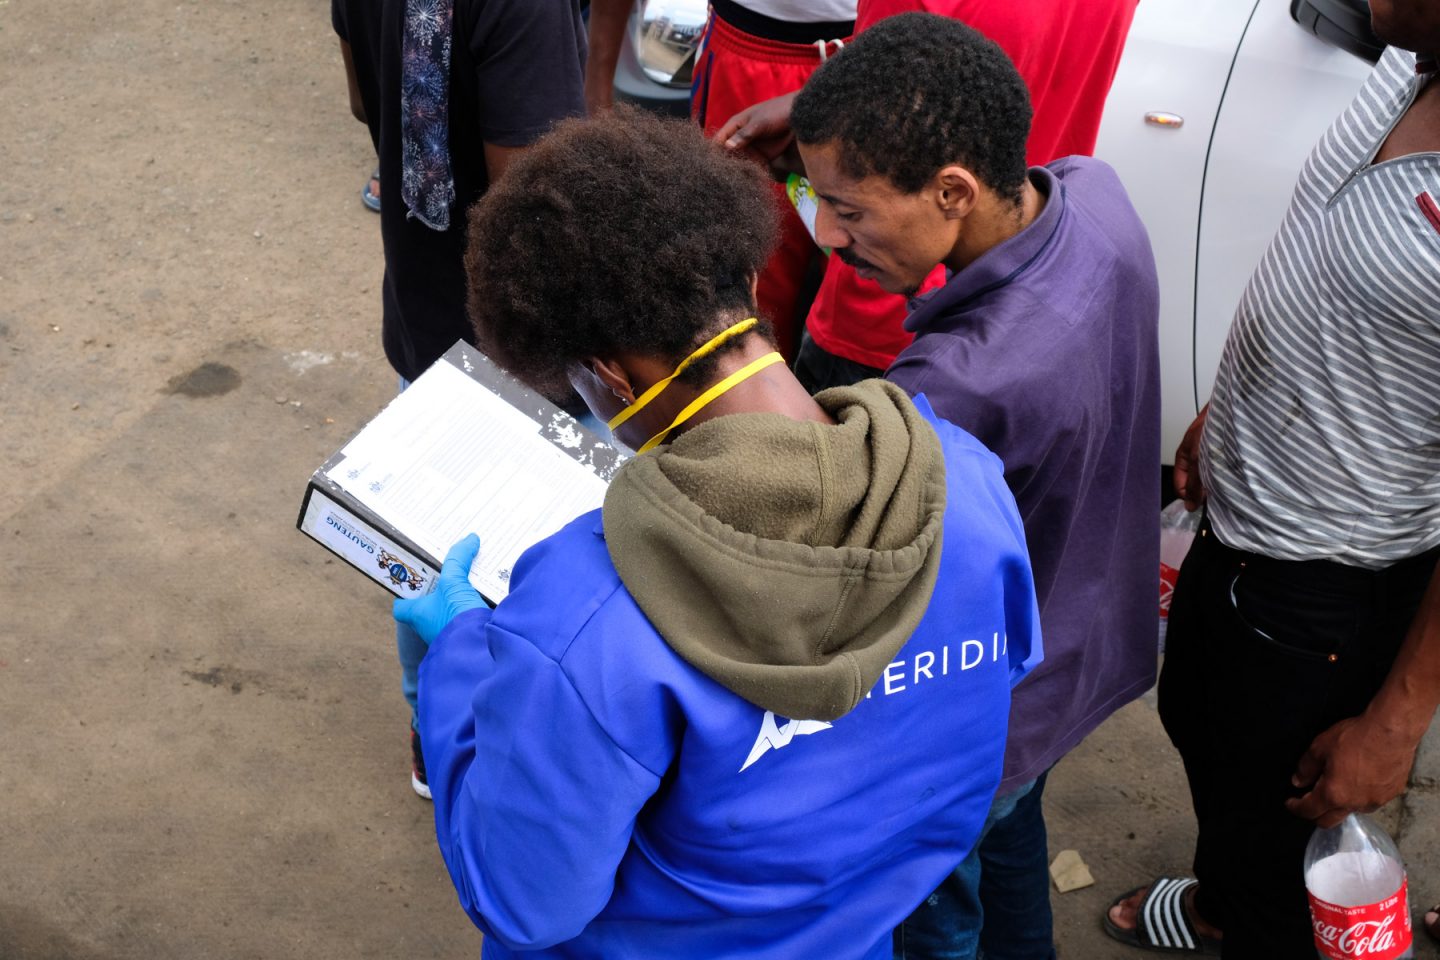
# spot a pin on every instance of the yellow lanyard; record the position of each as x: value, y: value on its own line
x: 708, y: 348
x: 700, y: 402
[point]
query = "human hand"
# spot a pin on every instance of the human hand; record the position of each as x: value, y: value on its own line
x: 1358, y: 765
x: 451, y: 597
x: 762, y: 132
x: 1187, y: 463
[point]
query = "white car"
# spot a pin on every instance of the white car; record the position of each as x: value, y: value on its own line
x: 1214, y: 108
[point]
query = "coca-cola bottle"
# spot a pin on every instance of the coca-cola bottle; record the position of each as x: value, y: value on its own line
x: 1358, y: 901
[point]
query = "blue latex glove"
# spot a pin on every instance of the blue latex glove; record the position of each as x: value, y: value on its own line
x: 451, y: 597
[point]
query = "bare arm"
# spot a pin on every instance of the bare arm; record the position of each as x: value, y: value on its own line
x: 357, y: 106
x: 607, y: 33
x: 1364, y: 762
x: 1187, y: 463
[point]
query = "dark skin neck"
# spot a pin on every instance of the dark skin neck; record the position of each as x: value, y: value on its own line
x: 993, y: 221
x: 1418, y: 130
x: 772, y: 390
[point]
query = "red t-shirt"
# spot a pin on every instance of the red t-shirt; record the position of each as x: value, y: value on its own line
x: 1067, y: 52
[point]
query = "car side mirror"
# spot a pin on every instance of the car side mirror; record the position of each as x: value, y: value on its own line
x: 1340, y: 23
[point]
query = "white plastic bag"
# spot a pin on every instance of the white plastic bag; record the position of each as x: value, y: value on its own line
x: 1177, y: 532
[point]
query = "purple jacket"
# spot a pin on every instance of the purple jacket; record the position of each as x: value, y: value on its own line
x: 1045, y: 348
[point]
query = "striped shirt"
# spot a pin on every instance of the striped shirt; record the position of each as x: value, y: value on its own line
x: 1323, y: 437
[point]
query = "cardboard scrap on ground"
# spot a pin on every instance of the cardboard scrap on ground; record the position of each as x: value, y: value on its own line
x: 1069, y: 872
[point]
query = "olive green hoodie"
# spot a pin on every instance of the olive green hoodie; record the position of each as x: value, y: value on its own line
x: 787, y: 560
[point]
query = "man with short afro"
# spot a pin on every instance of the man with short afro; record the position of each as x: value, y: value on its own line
x: 1067, y: 53
x: 1043, y: 344
x: 961, y: 100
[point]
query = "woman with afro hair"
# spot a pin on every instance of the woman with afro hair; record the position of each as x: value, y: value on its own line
x: 751, y: 707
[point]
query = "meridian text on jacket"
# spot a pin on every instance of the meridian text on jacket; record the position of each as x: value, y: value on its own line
x: 926, y: 665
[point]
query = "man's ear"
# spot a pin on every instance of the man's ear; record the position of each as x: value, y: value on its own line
x: 613, y: 375
x: 956, y: 190
x: 755, y: 287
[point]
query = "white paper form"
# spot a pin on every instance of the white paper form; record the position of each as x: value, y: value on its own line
x: 448, y: 457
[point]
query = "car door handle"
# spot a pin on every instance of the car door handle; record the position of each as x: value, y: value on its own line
x: 1159, y: 118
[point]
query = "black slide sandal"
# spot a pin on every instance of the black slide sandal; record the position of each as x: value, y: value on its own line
x: 1161, y: 923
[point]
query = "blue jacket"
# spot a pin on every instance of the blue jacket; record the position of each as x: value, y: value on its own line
x: 597, y: 796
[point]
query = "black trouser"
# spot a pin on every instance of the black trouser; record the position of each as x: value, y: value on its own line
x: 1262, y: 656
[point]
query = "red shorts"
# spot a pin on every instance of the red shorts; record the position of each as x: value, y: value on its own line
x: 736, y: 70
x: 854, y: 319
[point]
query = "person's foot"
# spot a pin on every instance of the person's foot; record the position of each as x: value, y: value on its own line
x: 1124, y: 914
x: 1432, y: 921
x: 370, y: 193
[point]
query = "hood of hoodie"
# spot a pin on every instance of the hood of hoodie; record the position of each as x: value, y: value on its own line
x: 787, y: 560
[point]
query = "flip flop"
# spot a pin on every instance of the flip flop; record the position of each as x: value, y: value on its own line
x: 371, y: 200
x: 1161, y: 922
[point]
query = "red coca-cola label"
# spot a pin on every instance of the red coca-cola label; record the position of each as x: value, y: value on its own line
x: 1168, y: 576
x: 1377, y: 931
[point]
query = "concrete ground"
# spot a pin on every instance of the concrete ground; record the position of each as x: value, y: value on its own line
x: 204, y: 750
